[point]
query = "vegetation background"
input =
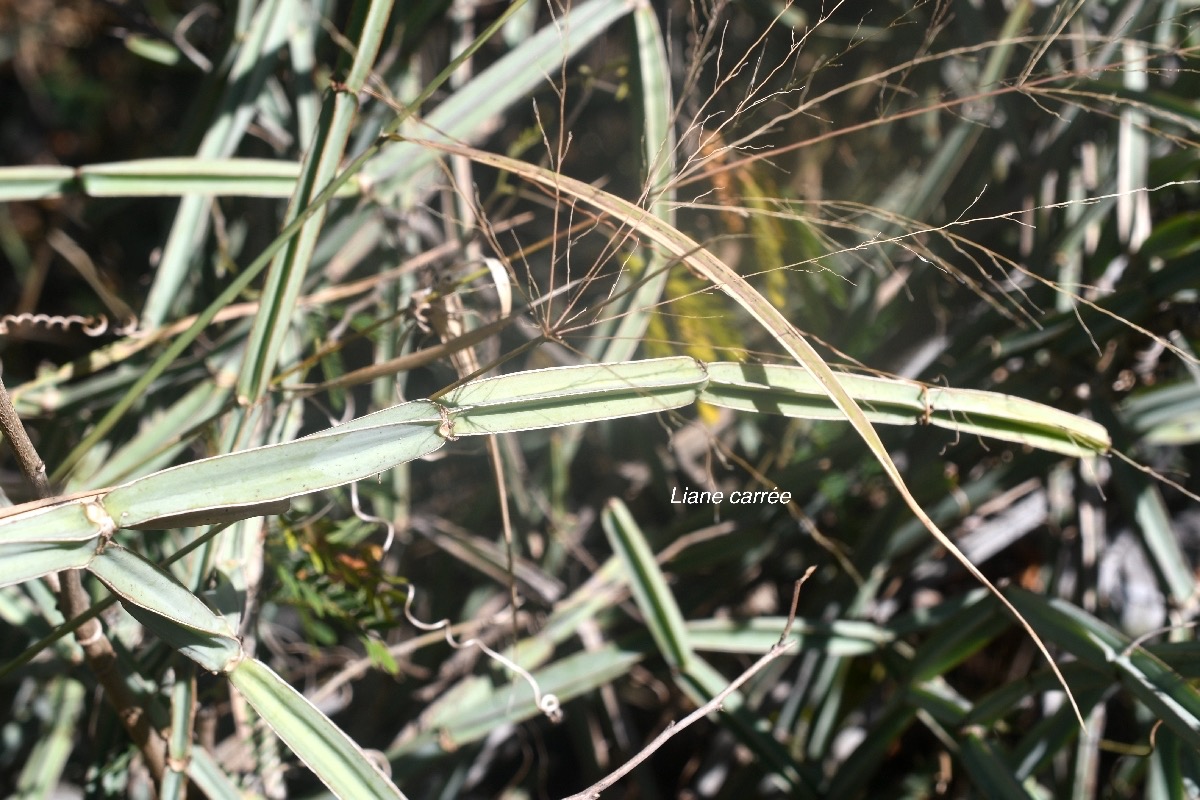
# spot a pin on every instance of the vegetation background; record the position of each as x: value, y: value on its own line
x: 999, y: 196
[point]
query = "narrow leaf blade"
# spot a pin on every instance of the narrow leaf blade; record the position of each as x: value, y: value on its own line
x: 324, y: 747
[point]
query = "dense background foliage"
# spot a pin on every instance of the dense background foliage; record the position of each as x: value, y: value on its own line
x: 998, y: 196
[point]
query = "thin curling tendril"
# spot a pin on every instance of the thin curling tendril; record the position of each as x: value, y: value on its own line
x: 89, y: 326
x: 547, y: 703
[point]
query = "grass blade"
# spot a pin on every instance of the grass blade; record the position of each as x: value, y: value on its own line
x: 465, y: 114
x: 44, y: 765
x: 320, y: 166
x: 1147, y: 677
x: 659, y: 610
x: 658, y: 153
x: 702, y: 682
x: 179, y: 740
x: 210, y: 778
x: 991, y: 775
x: 460, y: 720
x: 322, y: 746
x: 247, y: 74
x: 844, y: 638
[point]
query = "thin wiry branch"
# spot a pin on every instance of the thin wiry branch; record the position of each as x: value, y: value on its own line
x: 715, y: 704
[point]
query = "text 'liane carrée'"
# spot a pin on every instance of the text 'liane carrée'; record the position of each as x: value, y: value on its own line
x: 690, y: 496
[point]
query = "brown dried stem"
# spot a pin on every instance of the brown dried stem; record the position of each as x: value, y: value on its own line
x: 73, y: 600
x: 593, y: 791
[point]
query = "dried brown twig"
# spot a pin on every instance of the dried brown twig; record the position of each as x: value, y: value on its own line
x: 715, y: 704
x: 73, y: 601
